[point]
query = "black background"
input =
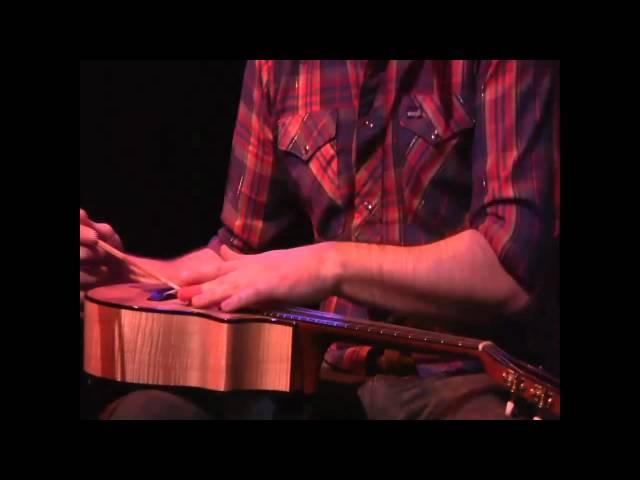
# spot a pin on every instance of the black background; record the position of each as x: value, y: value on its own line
x: 155, y: 140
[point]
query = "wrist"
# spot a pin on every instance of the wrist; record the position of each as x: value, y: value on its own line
x: 334, y: 265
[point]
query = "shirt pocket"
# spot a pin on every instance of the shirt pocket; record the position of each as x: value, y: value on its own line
x: 432, y: 134
x: 309, y: 142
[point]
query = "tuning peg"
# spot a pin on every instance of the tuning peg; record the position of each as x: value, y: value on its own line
x: 542, y: 399
x: 508, y: 410
x: 515, y: 384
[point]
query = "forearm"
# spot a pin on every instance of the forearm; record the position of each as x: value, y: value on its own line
x: 458, y: 278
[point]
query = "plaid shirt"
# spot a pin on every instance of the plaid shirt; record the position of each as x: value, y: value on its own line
x: 407, y: 154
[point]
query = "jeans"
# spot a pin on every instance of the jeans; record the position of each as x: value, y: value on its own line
x: 383, y: 397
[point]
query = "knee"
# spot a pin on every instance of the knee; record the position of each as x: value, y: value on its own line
x: 153, y: 405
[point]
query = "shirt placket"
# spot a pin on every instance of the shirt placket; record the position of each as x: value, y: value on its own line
x: 368, y: 158
x: 367, y: 225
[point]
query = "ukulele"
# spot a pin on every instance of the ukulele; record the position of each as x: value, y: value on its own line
x: 140, y: 333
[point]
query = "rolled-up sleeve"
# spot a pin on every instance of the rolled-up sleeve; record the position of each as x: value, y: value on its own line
x: 257, y: 206
x: 516, y: 164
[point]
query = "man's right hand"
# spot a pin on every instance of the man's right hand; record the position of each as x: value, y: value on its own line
x: 100, y: 268
x: 96, y: 266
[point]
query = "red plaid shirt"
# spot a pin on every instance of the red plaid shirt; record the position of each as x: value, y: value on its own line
x: 444, y: 146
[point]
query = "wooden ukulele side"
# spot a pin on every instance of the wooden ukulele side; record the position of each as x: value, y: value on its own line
x: 130, y: 339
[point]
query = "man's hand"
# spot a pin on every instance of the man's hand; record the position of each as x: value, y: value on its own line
x: 96, y: 266
x: 299, y: 276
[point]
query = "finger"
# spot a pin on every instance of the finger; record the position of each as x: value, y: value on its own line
x: 227, y: 254
x: 243, y: 299
x: 84, y: 218
x: 88, y: 254
x: 200, y: 274
x: 209, y: 299
x: 88, y: 236
x: 88, y: 280
x: 107, y: 234
x: 92, y: 275
x: 215, y: 292
x: 185, y: 294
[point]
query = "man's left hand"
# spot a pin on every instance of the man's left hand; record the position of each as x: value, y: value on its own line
x: 296, y: 276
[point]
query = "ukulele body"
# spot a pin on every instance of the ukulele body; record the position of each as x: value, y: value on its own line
x: 130, y: 338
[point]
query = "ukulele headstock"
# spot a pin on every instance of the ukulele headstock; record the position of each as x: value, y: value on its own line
x: 536, y: 394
